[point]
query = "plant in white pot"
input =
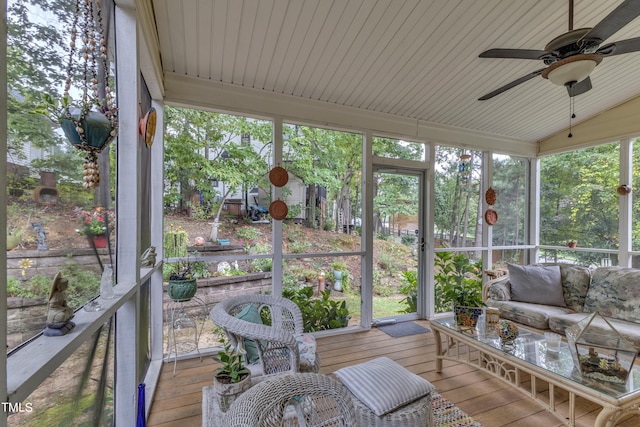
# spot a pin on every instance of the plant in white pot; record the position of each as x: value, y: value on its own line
x: 90, y: 122
x: 232, y: 378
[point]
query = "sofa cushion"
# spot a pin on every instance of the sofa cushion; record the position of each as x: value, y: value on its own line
x: 614, y: 292
x: 534, y: 315
x: 575, y: 284
x: 536, y: 284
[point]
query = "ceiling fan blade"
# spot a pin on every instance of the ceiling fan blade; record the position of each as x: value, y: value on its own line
x: 620, y: 47
x: 580, y: 87
x: 515, y: 53
x: 626, y: 12
x: 510, y: 85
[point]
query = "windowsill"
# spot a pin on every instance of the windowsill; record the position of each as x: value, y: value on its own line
x: 27, y: 367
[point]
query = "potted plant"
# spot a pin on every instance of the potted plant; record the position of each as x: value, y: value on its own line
x: 339, y: 270
x: 461, y: 286
x: 232, y: 378
x: 182, y: 281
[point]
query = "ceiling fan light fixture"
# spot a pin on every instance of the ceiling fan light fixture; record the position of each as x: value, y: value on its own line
x: 573, y: 69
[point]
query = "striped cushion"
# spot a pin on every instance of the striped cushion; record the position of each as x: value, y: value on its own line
x: 383, y: 385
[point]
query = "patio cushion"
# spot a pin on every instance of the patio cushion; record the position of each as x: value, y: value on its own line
x: 536, y: 284
x: 307, y: 350
x: 250, y: 314
x: 383, y: 385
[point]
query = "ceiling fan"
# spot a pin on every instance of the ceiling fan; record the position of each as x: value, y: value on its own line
x: 572, y: 56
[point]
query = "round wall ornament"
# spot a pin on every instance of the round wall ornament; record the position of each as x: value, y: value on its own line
x: 148, y: 126
x: 490, y: 196
x: 491, y: 217
x: 278, y: 210
x: 278, y: 176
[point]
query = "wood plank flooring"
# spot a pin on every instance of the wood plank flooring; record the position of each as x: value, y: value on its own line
x: 178, y: 399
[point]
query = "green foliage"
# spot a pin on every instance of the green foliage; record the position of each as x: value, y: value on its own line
x: 186, y: 268
x: 382, y: 290
x: 458, y: 280
x: 34, y: 288
x: 294, y: 211
x: 248, y: 235
x: 318, y: 314
x: 408, y: 239
x: 388, y: 261
x: 261, y: 264
x: 298, y: 247
x: 232, y: 366
x: 410, y: 289
x: 175, y: 242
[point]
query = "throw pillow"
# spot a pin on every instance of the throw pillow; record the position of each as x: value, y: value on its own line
x: 383, y: 385
x: 536, y: 284
x: 250, y: 314
x: 307, y: 350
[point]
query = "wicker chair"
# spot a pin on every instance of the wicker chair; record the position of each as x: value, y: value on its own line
x: 306, y: 399
x: 277, y: 344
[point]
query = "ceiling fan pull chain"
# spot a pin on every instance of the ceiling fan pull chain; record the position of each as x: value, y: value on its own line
x: 571, y: 115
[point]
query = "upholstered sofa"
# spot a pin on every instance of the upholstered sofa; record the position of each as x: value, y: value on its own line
x: 533, y: 300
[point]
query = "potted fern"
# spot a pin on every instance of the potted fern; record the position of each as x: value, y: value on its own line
x: 232, y: 378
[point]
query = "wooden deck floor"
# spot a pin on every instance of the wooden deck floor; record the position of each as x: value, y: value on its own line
x: 178, y: 399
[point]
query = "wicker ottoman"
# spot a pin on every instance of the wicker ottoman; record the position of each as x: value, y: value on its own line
x: 386, y: 394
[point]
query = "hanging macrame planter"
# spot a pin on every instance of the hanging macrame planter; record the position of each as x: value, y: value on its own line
x: 91, y: 124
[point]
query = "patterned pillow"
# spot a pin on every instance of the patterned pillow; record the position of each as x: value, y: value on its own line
x: 307, y: 349
x: 383, y: 385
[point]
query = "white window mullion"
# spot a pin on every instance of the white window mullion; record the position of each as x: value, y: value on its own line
x: 127, y: 374
x: 625, y: 204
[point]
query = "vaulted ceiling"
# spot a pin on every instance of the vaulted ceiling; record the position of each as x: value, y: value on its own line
x: 415, y: 59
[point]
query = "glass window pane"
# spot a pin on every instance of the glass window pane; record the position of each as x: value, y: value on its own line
x: 578, y: 201
x: 324, y: 192
x: 457, y: 197
x: 635, y: 193
x: 510, y: 182
x: 78, y: 392
x: 399, y: 149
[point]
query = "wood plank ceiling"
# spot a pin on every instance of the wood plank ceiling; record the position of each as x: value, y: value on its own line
x: 411, y: 58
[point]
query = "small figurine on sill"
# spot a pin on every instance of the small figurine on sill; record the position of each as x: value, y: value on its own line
x: 59, y: 314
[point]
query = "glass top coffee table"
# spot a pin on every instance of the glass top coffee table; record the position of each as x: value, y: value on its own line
x: 528, y: 361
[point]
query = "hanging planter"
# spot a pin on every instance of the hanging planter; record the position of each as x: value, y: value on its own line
x: 91, y: 122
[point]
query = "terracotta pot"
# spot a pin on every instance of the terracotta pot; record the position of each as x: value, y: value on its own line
x: 100, y: 242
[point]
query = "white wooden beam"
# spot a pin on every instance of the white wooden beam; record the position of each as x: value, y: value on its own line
x: 127, y: 372
x: 3, y: 206
x: 202, y: 93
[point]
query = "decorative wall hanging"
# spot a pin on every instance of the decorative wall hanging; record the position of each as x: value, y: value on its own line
x: 278, y: 176
x: 490, y: 196
x: 90, y: 123
x: 491, y: 217
x: 623, y: 190
x: 278, y: 210
x: 147, y: 126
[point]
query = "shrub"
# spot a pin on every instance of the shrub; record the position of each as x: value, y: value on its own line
x: 318, y: 313
x: 410, y: 289
x: 261, y: 264
x: 408, y: 239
